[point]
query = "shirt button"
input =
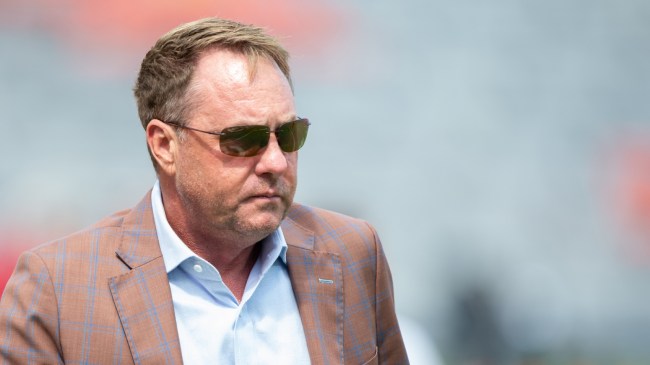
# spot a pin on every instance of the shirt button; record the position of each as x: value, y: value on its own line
x: 198, y: 268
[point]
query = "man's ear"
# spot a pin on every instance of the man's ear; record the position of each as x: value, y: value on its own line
x: 163, y: 145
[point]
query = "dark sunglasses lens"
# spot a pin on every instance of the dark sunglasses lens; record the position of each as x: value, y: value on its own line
x: 244, y: 141
x: 291, y: 136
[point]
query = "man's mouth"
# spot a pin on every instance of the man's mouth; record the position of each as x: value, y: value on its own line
x: 271, y: 196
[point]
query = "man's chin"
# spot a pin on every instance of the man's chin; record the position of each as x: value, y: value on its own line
x: 263, y: 221
x: 262, y: 213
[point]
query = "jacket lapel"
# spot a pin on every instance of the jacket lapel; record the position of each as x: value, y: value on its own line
x: 317, y: 282
x: 142, y: 296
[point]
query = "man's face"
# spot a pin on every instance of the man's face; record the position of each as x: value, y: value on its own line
x: 226, y: 196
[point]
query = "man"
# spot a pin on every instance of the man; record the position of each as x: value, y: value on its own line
x: 216, y: 265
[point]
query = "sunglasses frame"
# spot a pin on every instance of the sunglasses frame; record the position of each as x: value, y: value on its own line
x: 256, y: 150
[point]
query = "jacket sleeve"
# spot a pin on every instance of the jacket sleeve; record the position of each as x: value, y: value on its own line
x: 29, y: 316
x: 390, y: 344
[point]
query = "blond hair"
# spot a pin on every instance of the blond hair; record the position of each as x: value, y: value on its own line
x: 161, y: 89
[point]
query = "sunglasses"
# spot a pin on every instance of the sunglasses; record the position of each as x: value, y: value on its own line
x: 249, y: 140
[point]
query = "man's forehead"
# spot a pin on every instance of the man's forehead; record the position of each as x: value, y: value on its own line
x: 223, y: 65
x: 231, y: 67
x: 224, y: 85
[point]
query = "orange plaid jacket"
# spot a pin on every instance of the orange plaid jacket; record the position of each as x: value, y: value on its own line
x: 101, y: 296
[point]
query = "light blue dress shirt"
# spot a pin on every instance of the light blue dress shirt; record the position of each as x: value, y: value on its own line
x: 213, y: 328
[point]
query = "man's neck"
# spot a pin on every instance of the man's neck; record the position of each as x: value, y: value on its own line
x: 234, y: 268
x: 233, y: 260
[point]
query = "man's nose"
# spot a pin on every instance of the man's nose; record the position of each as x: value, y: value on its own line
x: 272, y: 160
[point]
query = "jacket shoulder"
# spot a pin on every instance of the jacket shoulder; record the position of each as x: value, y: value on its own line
x: 102, y: 231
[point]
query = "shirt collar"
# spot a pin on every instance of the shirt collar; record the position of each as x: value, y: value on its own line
x: 175, y: 252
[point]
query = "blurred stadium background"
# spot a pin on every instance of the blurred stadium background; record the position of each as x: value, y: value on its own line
x: 501, y: 148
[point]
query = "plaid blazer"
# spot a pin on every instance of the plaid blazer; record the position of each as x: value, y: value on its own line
x: 101, y: 296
